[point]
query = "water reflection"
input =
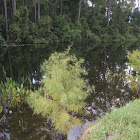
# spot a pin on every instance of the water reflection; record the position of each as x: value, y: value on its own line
x: 26, y: 61
x: 26, y: 126
x: 108, y: 94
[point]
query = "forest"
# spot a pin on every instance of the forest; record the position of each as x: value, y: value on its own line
x: 63, y: 21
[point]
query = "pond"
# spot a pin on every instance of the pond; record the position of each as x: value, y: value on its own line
x: 25, y: 60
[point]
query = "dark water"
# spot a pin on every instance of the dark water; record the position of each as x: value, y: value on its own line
x: 22, y: 61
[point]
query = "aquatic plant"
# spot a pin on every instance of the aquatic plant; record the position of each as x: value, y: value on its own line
x: 11, y: 93
x: 63, y: 92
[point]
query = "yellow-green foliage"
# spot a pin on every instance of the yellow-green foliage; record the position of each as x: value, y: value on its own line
x: 53, y: 110
x: 1, y: 108
x: 62, y: 91
x: 13, y: 92
x: 134, y: 61
x: 63, y: 80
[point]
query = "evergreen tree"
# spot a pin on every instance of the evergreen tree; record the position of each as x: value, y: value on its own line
x: 110, y: 20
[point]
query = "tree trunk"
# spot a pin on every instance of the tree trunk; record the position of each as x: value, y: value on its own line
x: 38, y: 10
x: 61, y: 6
x: 109, y: 10
x: 19, y: 78
x: 4, y: 74
x: 95, y: 8
x: 14, y: 5
x: 35, y: 9
x: 2, y: 12
x: 10, y: 62
x: 23, y: 3
x: 119, y: 15
x: 26, y: 2
x: 138, y: 4
x: 6, y: 20
x: 86, y: 7
x: 86, y: 4
x: 79, y: 12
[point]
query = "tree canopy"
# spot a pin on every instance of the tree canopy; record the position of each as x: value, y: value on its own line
x: 64, y: 21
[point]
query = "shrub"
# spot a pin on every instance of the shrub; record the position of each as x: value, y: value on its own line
x: 62, y: 92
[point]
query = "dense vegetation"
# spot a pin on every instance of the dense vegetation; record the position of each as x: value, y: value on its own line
x: 64, y: 21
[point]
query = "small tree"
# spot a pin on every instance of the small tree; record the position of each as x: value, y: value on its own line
x: 63, y: 91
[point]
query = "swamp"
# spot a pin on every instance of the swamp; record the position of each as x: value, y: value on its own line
x: 67, y: 65
x: 108, y: 93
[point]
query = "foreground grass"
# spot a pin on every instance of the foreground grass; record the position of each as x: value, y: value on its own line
x: 120, y: 124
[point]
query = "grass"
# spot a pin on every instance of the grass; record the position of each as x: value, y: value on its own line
x: 120, y: 124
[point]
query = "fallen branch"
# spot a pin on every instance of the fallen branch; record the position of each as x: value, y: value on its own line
x: 5, y: 112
